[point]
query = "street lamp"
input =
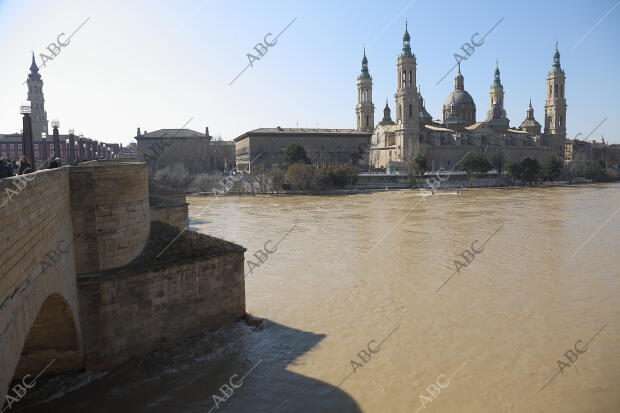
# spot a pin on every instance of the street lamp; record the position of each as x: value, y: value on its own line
x: 44, y: 143
x: 71, y: 146
x: 57, y: 151
x: 27, y: 142
x: 25, y: 108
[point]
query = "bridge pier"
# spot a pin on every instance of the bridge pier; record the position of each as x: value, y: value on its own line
x: 82, y: 282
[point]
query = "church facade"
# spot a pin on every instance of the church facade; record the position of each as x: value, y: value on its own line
x: 447, y: 141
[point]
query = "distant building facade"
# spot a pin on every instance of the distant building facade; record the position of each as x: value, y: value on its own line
x: 128, y: 152
x: 84, y: 149
x: 264, y: 148
x: 447, y: 141
x: 580, y: 153
x: 196, y: 150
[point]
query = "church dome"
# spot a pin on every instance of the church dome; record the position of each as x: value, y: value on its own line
x: 459, y: 104
x: 461, y: 97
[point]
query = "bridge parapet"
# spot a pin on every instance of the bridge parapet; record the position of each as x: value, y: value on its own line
x: 36, y: 264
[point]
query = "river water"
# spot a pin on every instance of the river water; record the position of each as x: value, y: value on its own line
x: 398, y: 302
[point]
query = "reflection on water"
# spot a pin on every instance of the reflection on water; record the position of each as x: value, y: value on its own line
x: 356, y: 266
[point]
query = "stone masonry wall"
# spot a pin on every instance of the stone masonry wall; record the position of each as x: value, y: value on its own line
x: 33, y: 223
x: 125, y: 316
x: 110, y: 210
x: 175, y: 215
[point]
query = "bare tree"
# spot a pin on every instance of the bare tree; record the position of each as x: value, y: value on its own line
x: 176, y: 176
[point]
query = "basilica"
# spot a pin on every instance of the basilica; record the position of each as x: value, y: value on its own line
x: 444, y: 142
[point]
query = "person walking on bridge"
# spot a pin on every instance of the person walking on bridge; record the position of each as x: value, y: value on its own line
x: 5, y: 170
x: 56, y: 163
x: 24, y: 166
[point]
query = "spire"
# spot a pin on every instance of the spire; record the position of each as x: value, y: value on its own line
x: 387, y: 119
x: 33, y: 67
x: 459, y: 83
x: 34, y: 70
x: 497, y: 82
x: 364, y: 73
x: 556, y: 68
x: 529, y: 124
x: 530, y: 111
x: 406, y: 43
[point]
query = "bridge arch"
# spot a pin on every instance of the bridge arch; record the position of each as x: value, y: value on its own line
x: 53, y: 341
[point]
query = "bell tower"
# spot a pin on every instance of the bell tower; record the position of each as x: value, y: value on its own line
x: 37, y: 101
x: 497, y: 94
x: 365, y: 109
x: 555, y: 106
x: 407, y: 110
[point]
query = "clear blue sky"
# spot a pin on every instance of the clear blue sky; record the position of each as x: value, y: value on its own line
x: 156, y: 64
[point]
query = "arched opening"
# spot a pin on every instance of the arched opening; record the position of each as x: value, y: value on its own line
x: 52, y: 337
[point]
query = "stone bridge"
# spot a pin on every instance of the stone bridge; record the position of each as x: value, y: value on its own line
x: 94, y: 271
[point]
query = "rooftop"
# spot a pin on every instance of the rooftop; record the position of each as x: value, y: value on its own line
x: 302, y: 132
x: 172, y: 133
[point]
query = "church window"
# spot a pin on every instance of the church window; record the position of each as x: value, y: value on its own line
x: 410, y: 110
x: 366, y: 120
x: 36, y: 89
x: 562, y: 90
x: 555, y: 90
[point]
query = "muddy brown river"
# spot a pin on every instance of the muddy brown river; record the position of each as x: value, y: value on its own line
x: 489, y: 300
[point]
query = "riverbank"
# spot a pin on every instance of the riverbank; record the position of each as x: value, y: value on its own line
x: 354, y: 191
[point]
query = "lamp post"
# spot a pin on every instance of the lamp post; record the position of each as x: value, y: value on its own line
x: 81, y: 147
x: 44, y: 143
x: 27, y: 144
x: 57, y: 151
x: 71, y: 146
